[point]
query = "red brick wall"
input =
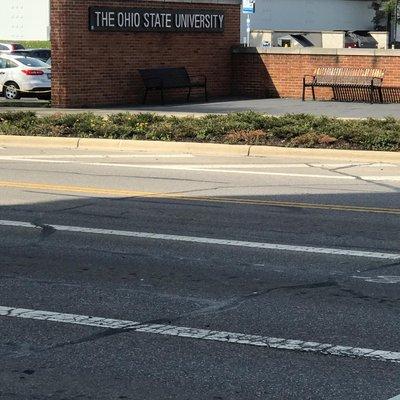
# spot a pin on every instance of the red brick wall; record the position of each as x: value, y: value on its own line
x: 280, y: 75
x: 99, y: 68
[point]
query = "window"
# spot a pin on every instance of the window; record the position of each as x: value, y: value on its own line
x: 32, y: 62
x: 2, y: 47
x: 10, y: 64
x: 2, y: 63
x: 17, y: 46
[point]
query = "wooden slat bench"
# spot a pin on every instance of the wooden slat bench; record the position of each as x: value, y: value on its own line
x: 350, y: 78
x: 171, y: 78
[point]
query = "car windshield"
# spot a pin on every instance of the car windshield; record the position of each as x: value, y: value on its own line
x: 32, y: 62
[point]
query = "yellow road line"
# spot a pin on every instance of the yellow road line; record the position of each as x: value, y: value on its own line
x: 69, y: 188
x: 179, y: 196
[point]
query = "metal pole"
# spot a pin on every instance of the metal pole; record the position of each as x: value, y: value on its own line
x: 396, y: 21
x: 248, y: 30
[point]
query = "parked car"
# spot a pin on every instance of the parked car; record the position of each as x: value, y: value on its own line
x: 24, y: 76
x: 360, y: 39
x: 40, y: 54
x: 9, y: 47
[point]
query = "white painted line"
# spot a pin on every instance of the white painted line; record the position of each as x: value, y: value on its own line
x: 226, y: 171
x: 240, y: 168
x: 395, y: 178
x: 212, y: 241
x: 383, y: 279
x: 355, y: 165
x: 395, y: 398
x: 205, y: 334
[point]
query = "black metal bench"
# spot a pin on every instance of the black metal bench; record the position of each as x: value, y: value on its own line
x: 351, y: 79
x: 171, y: 78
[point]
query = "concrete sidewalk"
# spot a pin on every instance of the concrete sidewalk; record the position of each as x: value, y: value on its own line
x: 266, y: 106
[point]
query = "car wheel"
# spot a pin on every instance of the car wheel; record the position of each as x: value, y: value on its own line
x: 11, y: 91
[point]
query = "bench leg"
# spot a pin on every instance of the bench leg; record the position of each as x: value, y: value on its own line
x: 313, y: 92
x: 162, y: 97
x: 188, y: 95
x: 205, y: 93
x: 145, y: 96
x: 304, y: 90
x: 372, y: 95
x: 380, y: 95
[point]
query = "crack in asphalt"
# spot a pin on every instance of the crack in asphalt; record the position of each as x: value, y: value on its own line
x: 223, y: 306
x: 361, y: 296
x: 358, y: 178
x: 384, y: 266
x: 237, y: 301
x: 46, y: 230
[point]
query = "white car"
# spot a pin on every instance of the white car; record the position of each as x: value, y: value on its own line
x: 24, y: 76
x: 9, y: 47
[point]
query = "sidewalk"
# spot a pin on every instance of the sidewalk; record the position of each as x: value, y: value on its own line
x: 266, y: 106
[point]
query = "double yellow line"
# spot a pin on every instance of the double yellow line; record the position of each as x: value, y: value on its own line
x: 178, y: 196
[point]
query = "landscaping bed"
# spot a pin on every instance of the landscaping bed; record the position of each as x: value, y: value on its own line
x: 249, y: 128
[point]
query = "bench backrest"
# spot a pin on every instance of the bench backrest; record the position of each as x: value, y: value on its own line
x: 349, y: 76
x: 170, y: 77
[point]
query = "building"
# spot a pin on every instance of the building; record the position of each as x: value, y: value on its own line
x: 24, y: 20
x: 311, y: 15
x: 29, y: 19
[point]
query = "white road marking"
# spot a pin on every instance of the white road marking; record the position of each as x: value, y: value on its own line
x: 207, y: 240
x: 55, y: 157
x: 395, y: 398
x: 240, y: 168
x: 205, y: 334
x: 394, y: 178
x: 226, y: 171
x: 384, y: 279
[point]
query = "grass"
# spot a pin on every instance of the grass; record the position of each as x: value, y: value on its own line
x: 300, y: 130
x: 31, y: 44
x: 24, y: 103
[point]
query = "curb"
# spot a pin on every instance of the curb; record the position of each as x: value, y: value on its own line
x: 334, y: 154
x: 38, y: 141
x: 197, y: 148
x: 168, y: 147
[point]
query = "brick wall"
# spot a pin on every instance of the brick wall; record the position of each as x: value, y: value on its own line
x: 99, y: 68
x: 279, y: 73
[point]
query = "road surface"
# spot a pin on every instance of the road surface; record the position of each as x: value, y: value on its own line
x: 172, y: 276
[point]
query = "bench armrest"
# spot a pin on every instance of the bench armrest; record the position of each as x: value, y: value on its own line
x: 377, y: 81
x: 198, y: 77
x: 309, y: 78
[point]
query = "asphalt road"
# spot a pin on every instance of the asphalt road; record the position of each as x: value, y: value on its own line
x: 156, y: 276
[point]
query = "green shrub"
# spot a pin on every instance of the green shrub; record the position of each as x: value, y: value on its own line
x: 300, y: 130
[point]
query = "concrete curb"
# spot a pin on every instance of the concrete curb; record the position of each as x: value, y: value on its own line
x: 196, y: 148
x: 38, y: 141
x: 335, y: 154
